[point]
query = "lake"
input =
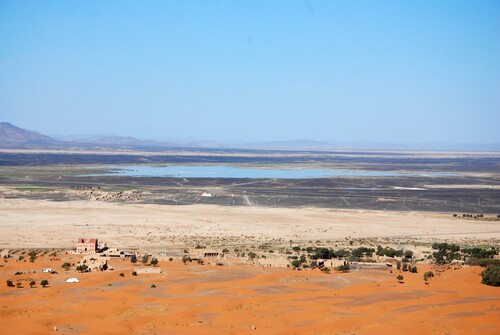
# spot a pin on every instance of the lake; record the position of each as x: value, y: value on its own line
x: 221, y: 171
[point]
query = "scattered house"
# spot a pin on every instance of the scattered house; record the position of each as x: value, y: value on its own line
x: 147, y: 270
x: 47, y: 270
x: 5, y: 253
x: 84, y: 246
x: 113, y: 252
x: 206, y: 194
x: 330, y: 263
x: 209, y: 253
x: 94, y: 264
x: 72, y: 280
x: 279, y: 262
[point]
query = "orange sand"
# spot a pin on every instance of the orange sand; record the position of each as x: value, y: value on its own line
x: 196, y: 299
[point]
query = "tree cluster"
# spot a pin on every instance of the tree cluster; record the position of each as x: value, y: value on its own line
x: 389, y: 252
x: 445, y: 252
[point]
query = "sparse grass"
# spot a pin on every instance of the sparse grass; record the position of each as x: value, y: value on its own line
x: 33, y: 189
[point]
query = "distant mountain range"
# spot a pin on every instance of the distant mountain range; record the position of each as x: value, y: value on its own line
x: 13, y: 137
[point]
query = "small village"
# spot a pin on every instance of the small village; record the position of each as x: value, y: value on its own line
x: 92, y: 255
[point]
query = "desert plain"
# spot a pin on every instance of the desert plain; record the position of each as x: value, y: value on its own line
x: 45, y: 209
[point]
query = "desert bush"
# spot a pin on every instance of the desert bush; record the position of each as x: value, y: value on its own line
x: 408, y: 254
x: 484, y: 262
x: 122, y: 274
x: 480, y: 253
x: 491, y: 275
x: 428, y: 274
x: 10, y: 283
x: 323, y: 253
x: 389, y: 252
x: 44, y: 283
x: 400, y: 278
x: 343, y: 268
x: 362, y: 251
x: 134, y: 273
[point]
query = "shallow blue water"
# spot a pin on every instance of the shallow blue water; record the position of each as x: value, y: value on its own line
x: 220, y: 171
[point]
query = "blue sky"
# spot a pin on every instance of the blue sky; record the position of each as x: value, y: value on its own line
x: 363, y: 71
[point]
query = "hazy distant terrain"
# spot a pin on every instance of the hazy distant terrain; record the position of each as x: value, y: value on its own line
x: 13, y: 137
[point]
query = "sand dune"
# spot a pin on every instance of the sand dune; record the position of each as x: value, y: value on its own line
x: 194, y: 299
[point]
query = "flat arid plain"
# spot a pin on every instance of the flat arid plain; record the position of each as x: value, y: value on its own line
x: 242, y: 255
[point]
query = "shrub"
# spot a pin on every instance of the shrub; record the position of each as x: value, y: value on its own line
x: 122, y: 274
x: 153, y: 286
x: 363, y: 251
x: 170, y: 259
x: 400, y: 278
x: 154, y: 261
x: 32, y: 283
x: 408, y: 254
x: 44, y: 283
x: 134, y: 273
x: 480, y: 253
x: 10, y: 283
x: 323, y: 253
x: 491, y: 275
x: 66, y: 266
x: 343, y: 268
x: 428, y: 274
x: 389, y: 252
x: 413, y: 269
x: 133, y: 259
x: 484, y: 262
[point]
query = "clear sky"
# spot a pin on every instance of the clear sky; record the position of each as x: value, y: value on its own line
x: 380, y: 71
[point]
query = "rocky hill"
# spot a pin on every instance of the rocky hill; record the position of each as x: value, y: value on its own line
x: 15, y: 137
